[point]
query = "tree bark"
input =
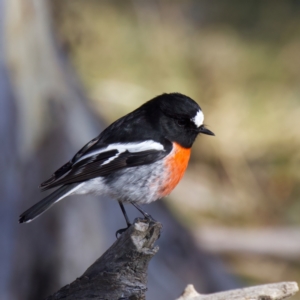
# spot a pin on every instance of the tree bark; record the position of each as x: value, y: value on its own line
x: 121, y: 272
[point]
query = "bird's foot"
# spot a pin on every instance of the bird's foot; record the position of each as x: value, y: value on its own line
x: 149, y: 217
x: 122, y: 230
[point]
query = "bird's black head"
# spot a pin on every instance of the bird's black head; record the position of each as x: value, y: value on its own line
x: 177, y: 117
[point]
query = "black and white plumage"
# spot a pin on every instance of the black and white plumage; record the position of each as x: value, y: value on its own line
x: 129, y: 160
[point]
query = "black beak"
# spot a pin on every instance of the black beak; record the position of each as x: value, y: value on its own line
x: 204, y: 130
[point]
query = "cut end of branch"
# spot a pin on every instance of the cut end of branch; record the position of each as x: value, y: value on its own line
x: 121, y: 272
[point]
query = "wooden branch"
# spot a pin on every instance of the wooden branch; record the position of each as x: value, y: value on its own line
x: 121, y: 272
x: 274, y: 291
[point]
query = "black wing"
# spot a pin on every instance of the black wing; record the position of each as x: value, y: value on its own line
x: 101, y: 164
x: 68, y: 166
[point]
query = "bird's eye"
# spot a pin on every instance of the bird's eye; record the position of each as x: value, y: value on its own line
x: 182, y: 122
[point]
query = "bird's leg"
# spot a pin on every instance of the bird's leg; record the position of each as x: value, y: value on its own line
x: 120, y: 231
x: 125, y: 214
x: 146, y: 215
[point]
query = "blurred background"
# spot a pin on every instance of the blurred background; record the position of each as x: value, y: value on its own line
x: 69, y: 68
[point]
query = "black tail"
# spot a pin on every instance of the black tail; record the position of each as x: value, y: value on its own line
x: 37, y: 209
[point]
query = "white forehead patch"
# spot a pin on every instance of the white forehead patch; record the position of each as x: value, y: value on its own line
x: 198, y: 119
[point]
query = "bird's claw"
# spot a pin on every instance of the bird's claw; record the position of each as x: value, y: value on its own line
x: 121, y: 231
x: 149, y: 217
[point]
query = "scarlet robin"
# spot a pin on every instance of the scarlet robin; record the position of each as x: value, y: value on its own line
x: 138, y: 159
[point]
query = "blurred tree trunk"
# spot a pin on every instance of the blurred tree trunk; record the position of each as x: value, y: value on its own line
x: 9, y: 178
x: 44, y: 120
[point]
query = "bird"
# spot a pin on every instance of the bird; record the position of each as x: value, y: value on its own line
x: 138, y: 159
